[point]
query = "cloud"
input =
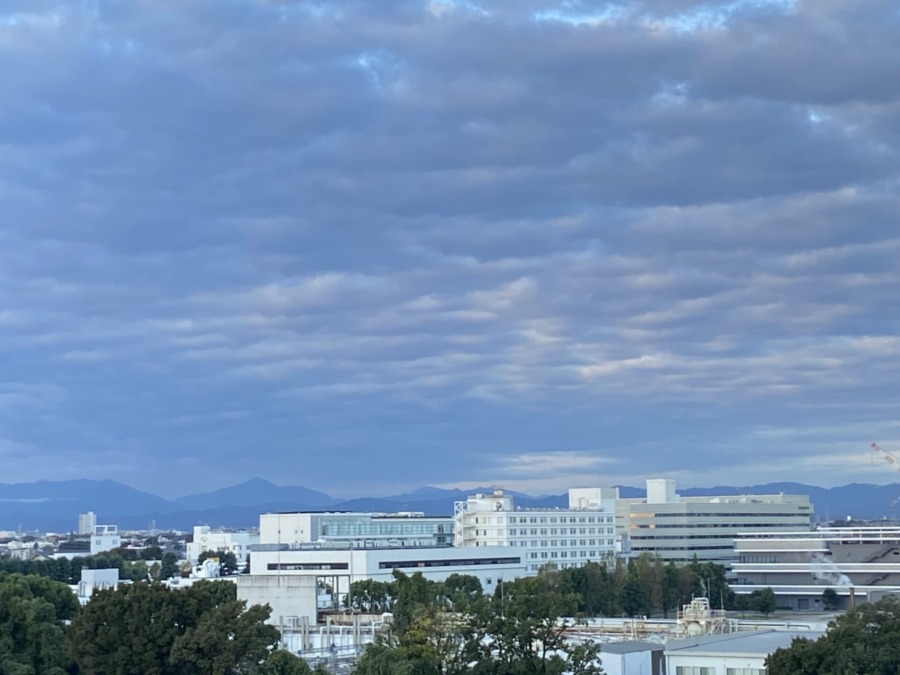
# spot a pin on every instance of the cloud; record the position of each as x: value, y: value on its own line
x: 430, y: 241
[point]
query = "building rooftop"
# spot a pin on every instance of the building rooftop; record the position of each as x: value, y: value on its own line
x: 631, y: 646
x: 754, y: 643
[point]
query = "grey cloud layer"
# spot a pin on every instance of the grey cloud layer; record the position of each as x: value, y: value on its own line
x: 378, y: 235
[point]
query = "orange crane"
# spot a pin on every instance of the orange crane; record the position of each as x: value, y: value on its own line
x: 888, y: 457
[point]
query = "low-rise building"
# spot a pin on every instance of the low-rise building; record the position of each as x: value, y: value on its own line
x: 858, y: 563
x: 105, y: 538
x: 95, y: 580
x: 728, y: 654
x: 291, y: 579
x: 237, y: 542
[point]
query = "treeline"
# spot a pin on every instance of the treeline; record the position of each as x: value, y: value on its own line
x: 864, y: 640
x: 642, y: 587
x: 454, y: 629
x: 140, y: 628
x: 68, y: 571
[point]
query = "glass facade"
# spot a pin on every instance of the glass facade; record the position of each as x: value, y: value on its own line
x: 336, y: 526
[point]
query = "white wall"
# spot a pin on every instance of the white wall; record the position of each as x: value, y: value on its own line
x: 720, y: 662
x: 661, y: 491
x: 635, y: 663
x: 285, y: 528
x: 288, y: 596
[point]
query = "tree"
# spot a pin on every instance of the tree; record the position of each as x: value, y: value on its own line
x: 32, y: 635
x: 168, y: 567
x: 830, y: 599
x: 864, y: 640
x: 228, y: 563
x: 763, y: 601
x: 368, y: 595
x: 282, y: 662
x: 516, y: 631
x: 135, y: 628
x: 227, y: 640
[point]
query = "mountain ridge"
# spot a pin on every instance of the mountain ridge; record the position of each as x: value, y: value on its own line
x: 54, y: 505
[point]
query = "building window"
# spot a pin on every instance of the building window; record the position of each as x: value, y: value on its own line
x: 745, y: 671
x: 695, y: 670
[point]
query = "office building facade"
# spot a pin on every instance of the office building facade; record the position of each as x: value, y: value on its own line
x: 678, y: 529
x: 572, y: 537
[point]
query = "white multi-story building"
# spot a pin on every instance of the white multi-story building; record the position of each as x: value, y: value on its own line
x: 859, y: 564
x: 105, y: 538
x: 301, y: 556
x: 585, y: 532
x: 206, y: 539
x: 397, y: 529
x: 678, y: 529
x: 87, y: 522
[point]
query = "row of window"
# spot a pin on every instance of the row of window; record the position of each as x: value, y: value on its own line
x: 544, y: 555
x: 462, y: 562
x: 759, y: 558
x: 544, y: 543
x: 523, y: 520
x: 543, y: 532
x: 534, y: 567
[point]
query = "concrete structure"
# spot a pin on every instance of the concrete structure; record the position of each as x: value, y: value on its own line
x: 95, y: 580
x: 632, y: 657
x: 563, y: 537
x: 729, y: 654
x: 87, y: 522
x: 677, y: 528
x: 859, y: 563
x: 407, y: 529
x: 206, y: 539
x: 292, y: 578
x: 105, y: 538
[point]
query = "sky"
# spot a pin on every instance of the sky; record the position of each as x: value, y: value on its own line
x: 370, y: 245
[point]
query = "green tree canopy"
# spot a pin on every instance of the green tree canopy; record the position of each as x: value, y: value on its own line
x: 32, y: 635
x: 865, y: 641
x: 151, y: 629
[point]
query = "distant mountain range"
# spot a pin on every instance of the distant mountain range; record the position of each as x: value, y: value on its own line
x: 54, y: 505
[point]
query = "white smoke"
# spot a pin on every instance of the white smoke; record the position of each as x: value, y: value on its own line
x: 825, y: 571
